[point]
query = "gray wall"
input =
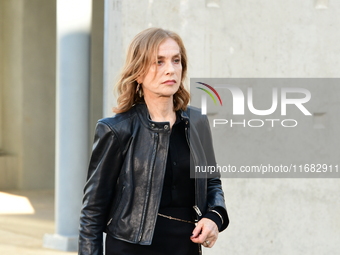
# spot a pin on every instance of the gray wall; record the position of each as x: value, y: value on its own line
x: 28, y: 94
x: 97, y: 62
x: 27, y: 90
x: 251, y: 39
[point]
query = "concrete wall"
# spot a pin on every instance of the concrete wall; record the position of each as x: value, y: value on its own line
x: 250, y: 39
x: 27, y: 90
x: 28, y: 93
x: 1, y: 71
x: 11, y: 84
x: 97, y: 63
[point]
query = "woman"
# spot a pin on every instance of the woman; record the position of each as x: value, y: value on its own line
x: 138, y: 188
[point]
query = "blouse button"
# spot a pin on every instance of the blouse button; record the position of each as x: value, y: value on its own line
x: 153, y: 125
x: 166, y: 127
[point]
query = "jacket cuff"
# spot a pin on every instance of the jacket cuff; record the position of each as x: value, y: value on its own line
x: 217, y: 215
x: 215, y: 218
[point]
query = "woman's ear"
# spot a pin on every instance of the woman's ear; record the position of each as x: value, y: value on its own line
x: 139, y: 80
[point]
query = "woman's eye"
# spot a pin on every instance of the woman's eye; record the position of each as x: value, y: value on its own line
x: 159, y: 62
x: 177, y: 60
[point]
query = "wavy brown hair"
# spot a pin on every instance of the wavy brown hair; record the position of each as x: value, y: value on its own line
x: 142, y: 52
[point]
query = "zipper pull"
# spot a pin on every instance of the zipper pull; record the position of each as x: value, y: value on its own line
x: 109, y: 222
x: 198, y: 211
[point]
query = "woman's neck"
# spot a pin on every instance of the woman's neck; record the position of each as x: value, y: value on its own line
x: 161, y: 109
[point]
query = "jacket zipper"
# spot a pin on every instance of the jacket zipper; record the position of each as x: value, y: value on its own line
x: 118, y: 202
x: 140, y: 234
x: 197, y: 210
x: 109, y: 222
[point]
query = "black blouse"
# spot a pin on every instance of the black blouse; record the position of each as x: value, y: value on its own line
x: 178, y: 187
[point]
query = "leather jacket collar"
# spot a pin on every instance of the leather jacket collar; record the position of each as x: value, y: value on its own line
x: 156, y: 126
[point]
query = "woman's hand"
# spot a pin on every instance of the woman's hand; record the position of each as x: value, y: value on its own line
x: 205, y: 232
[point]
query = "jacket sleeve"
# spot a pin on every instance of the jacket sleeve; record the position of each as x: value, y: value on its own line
x: 103, y: 171
x: 215, y: 194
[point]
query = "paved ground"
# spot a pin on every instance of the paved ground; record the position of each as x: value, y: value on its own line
x: 22, y: 233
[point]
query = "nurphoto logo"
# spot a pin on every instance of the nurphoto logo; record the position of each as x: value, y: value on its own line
x: 288, y: 96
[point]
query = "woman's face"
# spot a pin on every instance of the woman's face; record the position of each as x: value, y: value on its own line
x: 164, y: 77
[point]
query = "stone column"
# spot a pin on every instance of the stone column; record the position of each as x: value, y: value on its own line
x: 113, y: 52
x: 73, y: 62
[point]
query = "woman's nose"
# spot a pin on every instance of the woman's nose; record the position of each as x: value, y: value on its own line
x: 170, y: 69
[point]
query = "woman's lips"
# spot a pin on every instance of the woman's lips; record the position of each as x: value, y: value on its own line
x: 169, y: 82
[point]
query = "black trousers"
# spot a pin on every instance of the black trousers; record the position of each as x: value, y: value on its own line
x: 171, y: 237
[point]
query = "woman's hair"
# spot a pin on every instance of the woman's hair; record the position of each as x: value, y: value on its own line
x: 142, y: 52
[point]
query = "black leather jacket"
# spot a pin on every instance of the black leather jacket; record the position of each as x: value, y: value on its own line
x: 125, y: 178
